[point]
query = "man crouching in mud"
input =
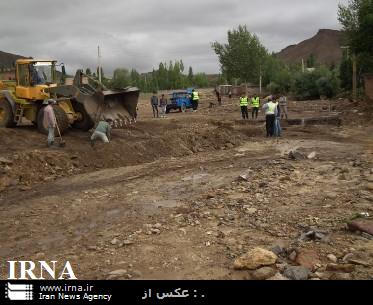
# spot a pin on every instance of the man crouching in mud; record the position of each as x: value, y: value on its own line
x: 102, y: 132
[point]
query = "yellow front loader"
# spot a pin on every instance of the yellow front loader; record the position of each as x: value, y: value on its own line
x: 79, y: 104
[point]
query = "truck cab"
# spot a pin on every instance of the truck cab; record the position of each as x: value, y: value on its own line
x: 180, y: 100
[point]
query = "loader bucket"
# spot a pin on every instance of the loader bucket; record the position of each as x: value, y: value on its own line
x: 119, y: 106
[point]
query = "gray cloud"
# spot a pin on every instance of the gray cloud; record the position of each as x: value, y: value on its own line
x: 141, y: 33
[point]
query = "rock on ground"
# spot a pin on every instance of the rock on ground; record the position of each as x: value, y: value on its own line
x: 312, y: 155
x: 5, y: 161
x: 263, y: 273
x: 295, y: 155
x: 297, y: 273
x: 340, y: 277
x: 254, y: 259
x: 341, y: 268
x: 279, y: 247
x: 332, y: 258
x: 278, y: 277
x: 117, y: 274
x: 307, y: 258
x: 363, y: 225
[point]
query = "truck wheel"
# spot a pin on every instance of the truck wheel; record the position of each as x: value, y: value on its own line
x: 167, y: 110
x: 61, y: 117
x: 6, y: 114
x: 84, y: 122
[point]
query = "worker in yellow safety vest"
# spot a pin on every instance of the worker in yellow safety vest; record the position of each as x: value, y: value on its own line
x: 244, y: 102
x: 255, y: 103
x: 270, y: 111
x: 195, y: 100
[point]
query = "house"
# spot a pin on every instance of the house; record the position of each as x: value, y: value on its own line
x: 7, y: 74
x: 248, y: 88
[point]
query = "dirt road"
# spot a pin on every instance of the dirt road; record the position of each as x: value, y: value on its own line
x: 183, y: 197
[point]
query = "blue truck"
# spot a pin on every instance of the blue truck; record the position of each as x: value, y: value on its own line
x: 180, y: 100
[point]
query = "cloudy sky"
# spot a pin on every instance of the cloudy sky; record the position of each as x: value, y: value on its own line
x: 141, y: 33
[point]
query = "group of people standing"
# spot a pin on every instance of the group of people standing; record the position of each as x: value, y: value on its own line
x: 159, y: 103
x: 275, y: 109
x: 244, y: 104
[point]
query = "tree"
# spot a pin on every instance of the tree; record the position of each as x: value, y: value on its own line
x: 135, y: 78
x: 177, y: 77
x: 200, y: 80
x: 277, y: 74
x: 88, y: 71
x: 311, y: 61
x: 357, y: 21
x: 162, y: 76
x: 190, y: 75
x: 305, y: 86
x: 242, y: 56
x: 121, y: 78
x: 345, y: 72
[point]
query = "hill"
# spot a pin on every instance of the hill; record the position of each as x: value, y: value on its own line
x: 325, y: 46
x: 7, y: 59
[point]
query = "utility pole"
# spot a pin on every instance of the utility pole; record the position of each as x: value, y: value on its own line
x: 260, y: 80
x: 302, y: 65
x: 99, y: 63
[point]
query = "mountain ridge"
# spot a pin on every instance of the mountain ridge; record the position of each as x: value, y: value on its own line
x: 325, y: 46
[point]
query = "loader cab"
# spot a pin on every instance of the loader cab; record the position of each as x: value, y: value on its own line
x: 33, y: 77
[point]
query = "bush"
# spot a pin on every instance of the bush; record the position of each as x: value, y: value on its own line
x: 312, y: 85
x: 305, y: 86
x: 274, y: 88
x: 325, y: 87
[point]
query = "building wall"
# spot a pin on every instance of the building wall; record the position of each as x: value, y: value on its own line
x: 238, y: 90
x: 8, y: 75
x: 368, y: 83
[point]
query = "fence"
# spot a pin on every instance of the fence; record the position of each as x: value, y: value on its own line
x: 309, y: 106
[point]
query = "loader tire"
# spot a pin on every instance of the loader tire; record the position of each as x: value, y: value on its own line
x: 84, y: 121
x: 6, y: 114
x: 61, y: 117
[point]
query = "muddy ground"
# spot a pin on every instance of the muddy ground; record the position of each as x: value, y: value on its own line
x: 184, y: 196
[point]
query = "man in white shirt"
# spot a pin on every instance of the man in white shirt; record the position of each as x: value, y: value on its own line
x: 270, y: 111
x: 50, y: 121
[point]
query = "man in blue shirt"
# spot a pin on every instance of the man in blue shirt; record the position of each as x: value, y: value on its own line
x: 154, y: 103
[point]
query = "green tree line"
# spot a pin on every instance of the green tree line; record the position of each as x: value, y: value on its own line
x: 168, y: 76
